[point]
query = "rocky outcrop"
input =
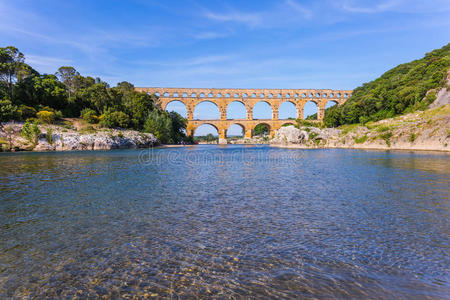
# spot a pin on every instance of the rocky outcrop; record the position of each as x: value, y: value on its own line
x: 427, y: 130
x: 303, y: 136
x: 125, y: 139
x: 67, y: 140
x: 442, y: 96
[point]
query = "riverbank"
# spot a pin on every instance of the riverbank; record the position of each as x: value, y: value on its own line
x: 427, y: 130
x: 73, y: 134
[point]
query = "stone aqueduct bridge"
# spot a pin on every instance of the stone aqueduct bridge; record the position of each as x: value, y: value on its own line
x: 248, y: 97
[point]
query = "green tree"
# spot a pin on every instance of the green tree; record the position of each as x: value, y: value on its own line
x: 31, y: 132
x: 178, y: 124
x: 7, y: 111
x: 113, y: 119
x: 89, y: 115
x: 261, y: 129
x: 12, y: 66
x: 160, y: 125
x: 68, y: 76
x: 400, y: 90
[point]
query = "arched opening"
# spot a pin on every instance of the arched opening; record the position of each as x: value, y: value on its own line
x: 235, y: 131
x: 236, y: 110
x: 330, y: 104
x: 177, y: 106
x: 287, y: 124
x: 262, y: 110
x: 261, y: 130
x: 310, y: 111
x: 287, y: 110
x: 206, y: 110
x: 166, y: 94
x: 206, y: 133
x: 157, y: 94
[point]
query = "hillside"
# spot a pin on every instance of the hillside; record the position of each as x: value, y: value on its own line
x: 427, y: 130
x: 406, y: 88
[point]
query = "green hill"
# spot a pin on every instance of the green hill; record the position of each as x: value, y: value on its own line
x: 400, y: 90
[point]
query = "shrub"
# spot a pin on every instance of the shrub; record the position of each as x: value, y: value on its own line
x: 387, y: 137
x: 25, y: 112
x: 113, y: 119
x: 46, y: 117
x: 30, y: 131
x: 89, y: 115
x: 361, y: 139
x: 49, y: 136
x: 7, y: 111
x: 412, y: 137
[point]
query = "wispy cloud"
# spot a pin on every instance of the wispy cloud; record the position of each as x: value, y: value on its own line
x: 249, y: 19
x: 402, y: 6
x: 47, y: 63
x: 303, y: 10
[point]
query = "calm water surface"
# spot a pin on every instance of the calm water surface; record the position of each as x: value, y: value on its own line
x: 234, y: 221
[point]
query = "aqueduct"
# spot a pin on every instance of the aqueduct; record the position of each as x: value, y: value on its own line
x: 191, y: 97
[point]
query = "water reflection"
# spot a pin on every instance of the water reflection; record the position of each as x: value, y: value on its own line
x: 313, y: 224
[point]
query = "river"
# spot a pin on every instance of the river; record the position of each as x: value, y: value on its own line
x: 225, y: 221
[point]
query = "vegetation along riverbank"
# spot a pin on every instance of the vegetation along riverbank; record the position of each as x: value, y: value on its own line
x: 408, y: 107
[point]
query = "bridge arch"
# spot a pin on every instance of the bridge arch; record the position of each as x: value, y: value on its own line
x: 287, y: 110
x: 262, y: 110
x: 196, y: 131
x: 232, y: 130
x: 177, y: 106
x: 203, y: 108
x: 310, y: 108
x: 330, y: 103
x: 240, y: 110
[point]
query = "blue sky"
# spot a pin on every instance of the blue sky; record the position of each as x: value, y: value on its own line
x: 243, y: 44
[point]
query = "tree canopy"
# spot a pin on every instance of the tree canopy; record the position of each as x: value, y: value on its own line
x: 399, y: 90
x: 24, y: 93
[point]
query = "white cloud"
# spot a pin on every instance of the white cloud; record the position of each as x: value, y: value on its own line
x: 249, y: 19
x: 402, y: 6
x: 46, y: 64
x: 306, y: 12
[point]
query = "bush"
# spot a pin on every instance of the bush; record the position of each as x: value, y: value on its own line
x: 89, y: 115
x: 412, y: 137
x: 25, y: 112
x: 46, y: 117
x: 113, y: 119
x: 49, y: 136
x: 160, y: 125
x: 360, y: 140
x: 30, y: 131
x: 7, y: 111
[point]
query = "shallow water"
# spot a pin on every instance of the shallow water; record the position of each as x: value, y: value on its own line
x: 233, y: 221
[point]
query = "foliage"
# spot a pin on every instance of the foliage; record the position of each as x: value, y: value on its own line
x: 49, y: 136
x: 25, y: 112
x: 113, y: 119
x: 46, y: 117
x: 89, y: 115
x: 360, y: 140
x: 160, y: 124
x: 387, y: 137
x: 305, y: 123
x: 12, y: 66
x: 412, y: 137
x: 261, y: 129
x: 7, y: 111
x: 400, y: 90
x: 31, y: 132
x: 23, y: 92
